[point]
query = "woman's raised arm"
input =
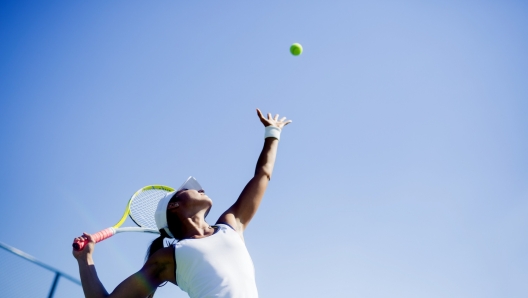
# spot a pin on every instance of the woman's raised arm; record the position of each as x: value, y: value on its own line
x: 241, y: 213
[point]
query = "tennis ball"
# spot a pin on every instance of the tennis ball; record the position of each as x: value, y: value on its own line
x: 296, y: 49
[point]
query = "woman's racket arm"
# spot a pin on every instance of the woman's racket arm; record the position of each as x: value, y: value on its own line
x: 158, y: 269
x: 135, y: 286
x: 92, y: 286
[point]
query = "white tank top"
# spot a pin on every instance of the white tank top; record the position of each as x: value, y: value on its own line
x: 215, y: 266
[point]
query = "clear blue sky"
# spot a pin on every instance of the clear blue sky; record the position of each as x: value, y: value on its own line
x: 403, y: 174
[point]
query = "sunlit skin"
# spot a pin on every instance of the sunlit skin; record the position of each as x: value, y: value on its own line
x: 191, y: 207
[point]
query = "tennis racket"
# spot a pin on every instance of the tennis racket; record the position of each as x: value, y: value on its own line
x: 141, y: 208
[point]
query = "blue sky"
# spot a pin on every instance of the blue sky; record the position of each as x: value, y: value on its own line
x: 403, y: 174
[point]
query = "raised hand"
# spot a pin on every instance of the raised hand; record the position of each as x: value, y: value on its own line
x: 274, y: 121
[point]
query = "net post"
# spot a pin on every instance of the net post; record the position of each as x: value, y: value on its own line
x: 54, y: 285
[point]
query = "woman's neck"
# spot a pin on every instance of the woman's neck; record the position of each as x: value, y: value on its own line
x: 196, y: 227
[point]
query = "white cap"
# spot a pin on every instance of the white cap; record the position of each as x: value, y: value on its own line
x: 161, y: 212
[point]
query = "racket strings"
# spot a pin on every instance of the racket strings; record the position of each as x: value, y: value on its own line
x: 143, y: 207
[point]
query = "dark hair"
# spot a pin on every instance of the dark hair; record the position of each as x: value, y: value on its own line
x: 156, y: 245
x: 176, y: 229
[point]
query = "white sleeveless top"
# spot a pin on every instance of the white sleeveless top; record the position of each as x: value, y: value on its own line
x: 215, y: 266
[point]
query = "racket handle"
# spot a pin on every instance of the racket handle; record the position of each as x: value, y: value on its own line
x: 97, y: 237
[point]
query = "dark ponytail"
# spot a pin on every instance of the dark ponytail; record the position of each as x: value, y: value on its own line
x: 175, y: 227
x: 156, y: 244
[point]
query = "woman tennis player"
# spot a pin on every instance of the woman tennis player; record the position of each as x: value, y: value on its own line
x: 207, y: 261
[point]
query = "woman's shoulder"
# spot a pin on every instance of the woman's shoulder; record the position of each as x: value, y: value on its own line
x: 162, y: 255
x: 161, y: 265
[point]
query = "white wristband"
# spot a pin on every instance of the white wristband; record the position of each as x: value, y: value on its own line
x: 272, y: 132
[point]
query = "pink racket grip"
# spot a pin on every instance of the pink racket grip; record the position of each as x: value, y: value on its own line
x: 97, y: 237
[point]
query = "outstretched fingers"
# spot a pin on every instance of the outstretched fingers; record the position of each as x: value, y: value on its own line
x: 273, y: 120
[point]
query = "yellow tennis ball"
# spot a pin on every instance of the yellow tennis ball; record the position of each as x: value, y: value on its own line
x: 296, y: 49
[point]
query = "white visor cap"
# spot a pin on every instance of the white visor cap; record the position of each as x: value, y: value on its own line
x: 161, y: 212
